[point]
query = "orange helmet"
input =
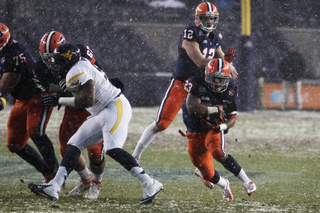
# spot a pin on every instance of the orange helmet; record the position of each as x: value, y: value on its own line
x: 206, y: 16
x: 217, y: 75
x: 4, y: 35
x: 48, y: 43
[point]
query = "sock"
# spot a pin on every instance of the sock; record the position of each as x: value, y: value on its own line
x: 124, y: 158
x: 31, y: 156
x: 215, y: 178
x: 61, y: 176
x: 46, y: 149
x: 84, y: 174
x: 129, y: 163
x: 149, y: 134
x: 222, y: 183
x: 71, y: 158
x: 97, y: 177
x: 243, y: 176
x: 142, y: 176
x: 232, y: 165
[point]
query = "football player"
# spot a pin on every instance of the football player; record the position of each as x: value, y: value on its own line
x: 209, y: 111
x: 73, y: 116
x: 110, y: 116
x: 197, y: 46
x: 27, y: 118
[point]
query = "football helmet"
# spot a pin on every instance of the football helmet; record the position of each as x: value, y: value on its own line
x: 217, y: 75
x: 49, y: 42
x: 206, y: 16
x: 4, y: 35
x: 64, y: 57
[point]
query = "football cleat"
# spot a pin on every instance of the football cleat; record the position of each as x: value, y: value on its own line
x: 205, y: 182
x: 150, y: 192
x: 83, y: 186
x: 94, y: 190
x: 226, y: 192
x: 250, y: 187
x: 49, y: 190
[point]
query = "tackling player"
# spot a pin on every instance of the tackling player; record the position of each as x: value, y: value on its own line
x: 197, y: 46
x: 209, y: 111
x: 111, y: 113
x: 73, y: 116
x: 27, y: 118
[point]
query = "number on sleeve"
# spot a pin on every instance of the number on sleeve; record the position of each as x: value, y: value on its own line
x: 19, y: 58
x: 188, y: 34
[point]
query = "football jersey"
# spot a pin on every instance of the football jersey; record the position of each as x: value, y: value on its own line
x: 47, y: 77
x: 84, y: 71
x: 185, y: 67
x: 16, y: 58
x: 226, y: 100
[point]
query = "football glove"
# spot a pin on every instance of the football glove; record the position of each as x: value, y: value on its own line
x: 3, y: 103
x: 50, y: 100
x: 216, y: 127
x: 230, y: 55
x: 63, y: 86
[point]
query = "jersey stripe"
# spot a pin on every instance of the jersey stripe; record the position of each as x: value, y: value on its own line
x: 120, y: 113
x: 74, y: 77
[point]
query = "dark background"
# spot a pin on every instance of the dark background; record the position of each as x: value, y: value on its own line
x: 138, y: 43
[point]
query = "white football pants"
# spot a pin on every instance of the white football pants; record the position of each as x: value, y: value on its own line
x: 110, y: 125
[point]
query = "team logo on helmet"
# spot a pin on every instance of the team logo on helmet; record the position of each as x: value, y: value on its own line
x: 67, y: 55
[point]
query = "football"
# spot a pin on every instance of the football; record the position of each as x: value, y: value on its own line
x: 216, y: 118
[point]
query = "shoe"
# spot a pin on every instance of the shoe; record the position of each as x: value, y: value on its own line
x: 49, y: 190
x: 250, y: 187
x: 150, y: 192
x: 226, y: 192
x: 94, y: 190
x: 205, y: 182
x: 83, y: 186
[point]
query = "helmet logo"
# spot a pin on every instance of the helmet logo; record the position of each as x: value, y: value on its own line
x: 62, y: 40
x: 67, y: 55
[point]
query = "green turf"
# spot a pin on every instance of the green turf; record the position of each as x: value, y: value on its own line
x: 279, y: 150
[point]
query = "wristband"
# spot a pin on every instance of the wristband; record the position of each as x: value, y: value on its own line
x: 223, y: 127
x: 67, y: 101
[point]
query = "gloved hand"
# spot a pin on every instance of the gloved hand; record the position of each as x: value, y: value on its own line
x: 50, y: 100
x: 216, y: 127
x: 3, y: 103
x: 230, y: 55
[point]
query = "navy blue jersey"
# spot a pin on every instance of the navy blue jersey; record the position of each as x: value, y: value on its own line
x: 198, y: 87
x: 185, y: 67
x: 16, y: 58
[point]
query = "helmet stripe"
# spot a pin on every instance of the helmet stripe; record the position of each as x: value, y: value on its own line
x: 209, y: 6
x: 220, y: 65
x: 48, y: 42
